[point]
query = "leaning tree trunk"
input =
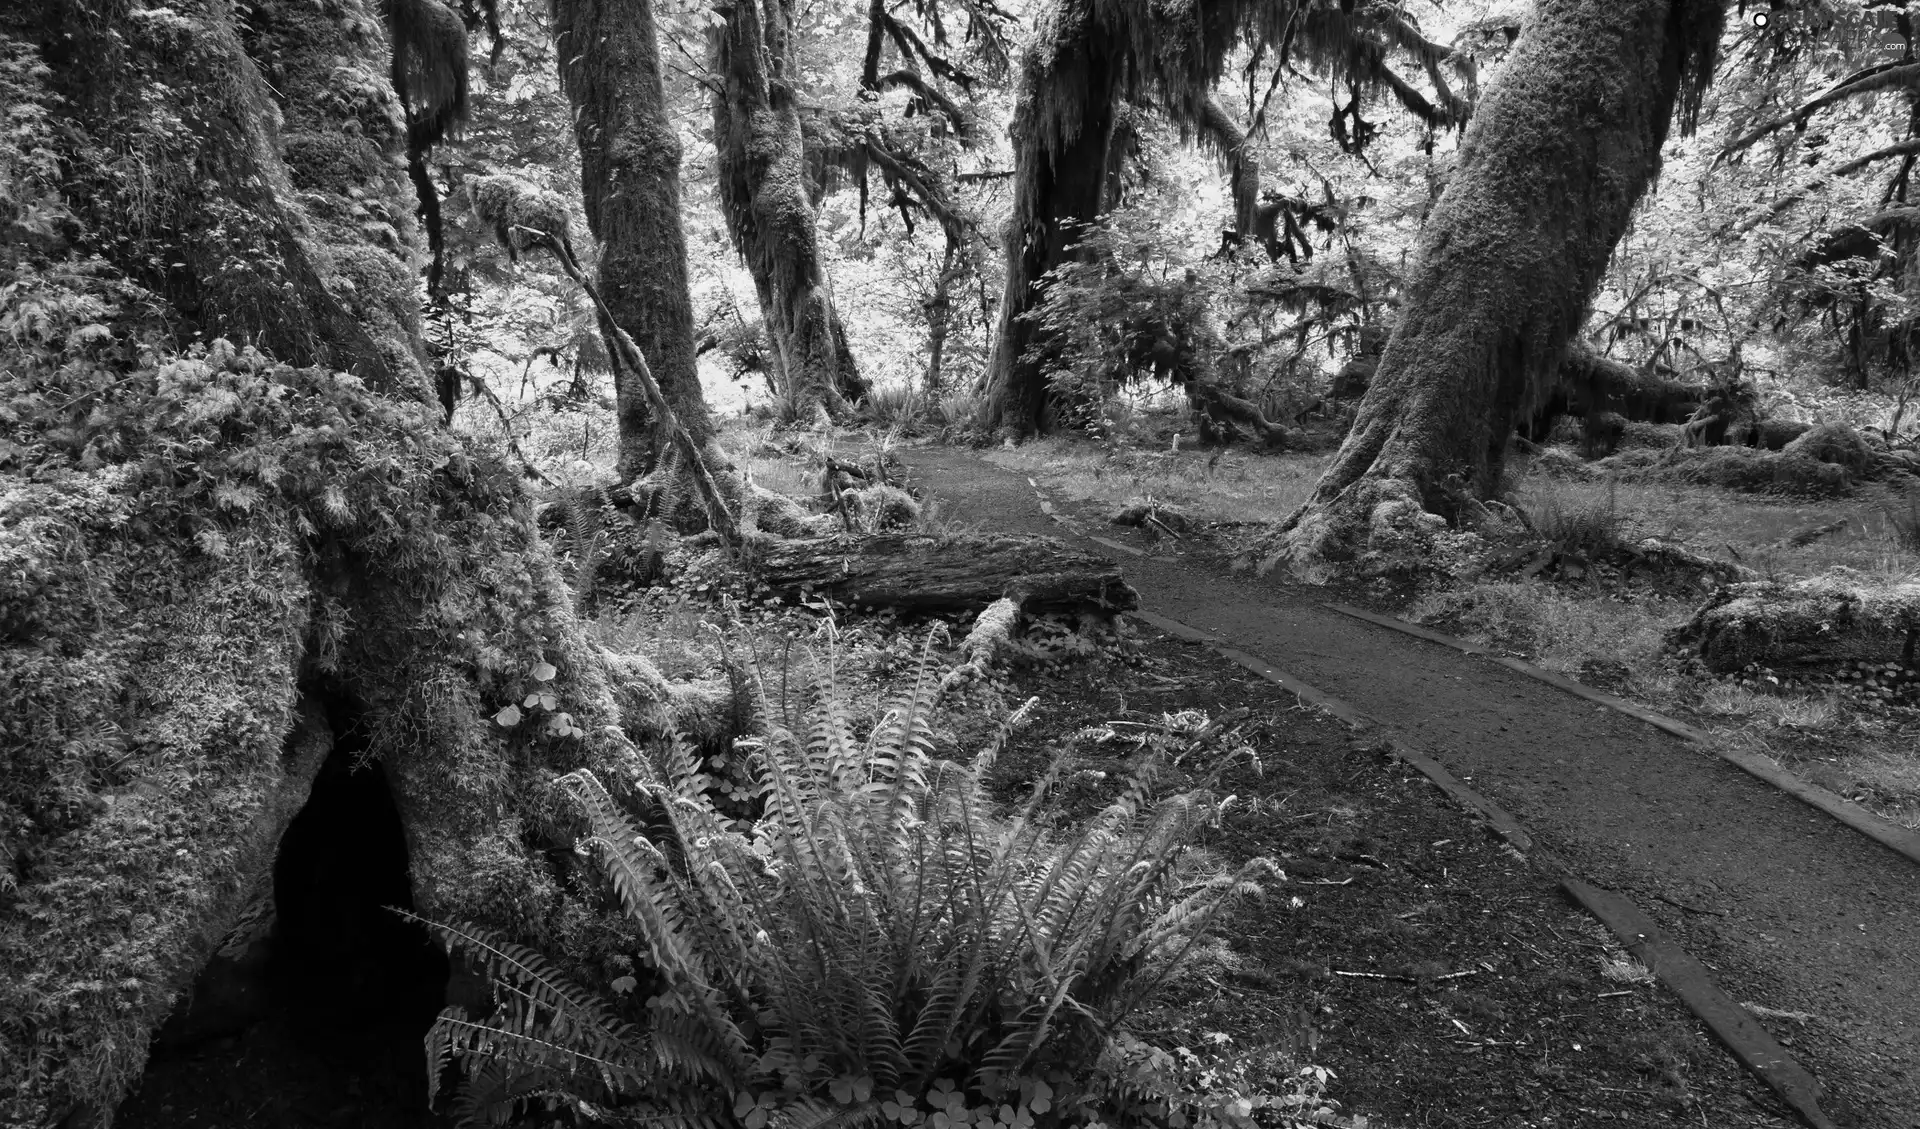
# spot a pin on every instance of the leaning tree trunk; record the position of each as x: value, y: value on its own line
x: 763, y: 191
x: 229, y: 560
x: 1063, y: 134
x: 630, y: 174
x: 1216, y: 130
x: 1548, y: 175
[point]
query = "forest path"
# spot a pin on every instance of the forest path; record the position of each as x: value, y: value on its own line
x: 1790, y: 909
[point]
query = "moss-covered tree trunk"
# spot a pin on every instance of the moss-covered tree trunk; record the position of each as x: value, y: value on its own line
x: 763, y: 191
x: 1063, y: 137
x: 198, y: 545
x: 205, y: 211
x: 630, y: 175
x: 939, y: 310
x: 1548, y: 174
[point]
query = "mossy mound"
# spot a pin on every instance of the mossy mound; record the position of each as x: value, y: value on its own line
x: 1751, y: 471
x: 1559, y: 462
x: 1836, y: 444
x: 1820, y: 623
x: 881, y: 508
x: 1639, y: 435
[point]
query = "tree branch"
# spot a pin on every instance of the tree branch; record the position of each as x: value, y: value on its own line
x: 1864, y: 82
x: 1905, y: 148
x: 629, y: 354
x: 927, y: 90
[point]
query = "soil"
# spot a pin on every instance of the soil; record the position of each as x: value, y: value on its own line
x: 1790, y: 910
x: 1441, y: 979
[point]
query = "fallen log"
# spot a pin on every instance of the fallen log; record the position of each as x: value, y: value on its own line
x: 1821, y: 623
x: 929, y: 573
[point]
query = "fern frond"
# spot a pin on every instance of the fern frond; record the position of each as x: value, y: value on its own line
x: 528, y: 973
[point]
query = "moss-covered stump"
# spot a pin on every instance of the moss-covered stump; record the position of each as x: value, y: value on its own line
x: 1819, y: 623
x: 195, y: 541
x: 214, y: 535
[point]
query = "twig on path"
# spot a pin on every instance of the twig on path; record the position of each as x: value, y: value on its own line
x: 1406, y: 979
x: 1678, y: 904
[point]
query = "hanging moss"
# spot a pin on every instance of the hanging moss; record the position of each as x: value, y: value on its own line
x: 1088, y: 59
x: 519, y: 211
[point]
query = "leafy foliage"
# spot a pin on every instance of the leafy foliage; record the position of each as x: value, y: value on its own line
x: 883, y: 946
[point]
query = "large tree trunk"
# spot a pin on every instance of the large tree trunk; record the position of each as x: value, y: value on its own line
x: 1548, y: 175
x: 763, y: 191
x: 630, y: 174
x: 1060, y: 185
x: 214, y: 221
x: 216, y: 563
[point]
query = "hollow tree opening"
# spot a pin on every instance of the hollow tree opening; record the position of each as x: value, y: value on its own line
x: 318, y: 1015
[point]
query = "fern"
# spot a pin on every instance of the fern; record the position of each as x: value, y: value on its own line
x: 587, y: 539
x: 882, y: 925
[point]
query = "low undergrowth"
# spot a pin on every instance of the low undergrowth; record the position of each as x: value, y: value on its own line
x: 1569, y: 597
x: 881, y: 943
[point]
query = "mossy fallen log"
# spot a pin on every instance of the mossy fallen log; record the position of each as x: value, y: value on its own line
x: 929, y: 573
x: 1822, y: 622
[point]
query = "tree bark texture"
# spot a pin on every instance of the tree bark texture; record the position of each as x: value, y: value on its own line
x: 763, y: 192
x: 217, y: 220
x: 208, y: 543
x: 922, y: 573
x: 939, y: 311
x: 1061, y: 184
x: 630, y: 175
x: 1548, y: 175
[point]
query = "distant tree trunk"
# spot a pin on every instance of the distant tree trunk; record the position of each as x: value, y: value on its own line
x: 1060, y: 185
x: 630, y: 175
x: 939, y: 309
x: 1548, y: 175
x: 763, y: 191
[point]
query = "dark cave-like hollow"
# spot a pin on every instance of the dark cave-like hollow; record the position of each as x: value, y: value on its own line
x: 339, y: 957
x: 321, y: 1016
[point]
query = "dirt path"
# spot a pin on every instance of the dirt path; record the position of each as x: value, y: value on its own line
x: 1790, y: 909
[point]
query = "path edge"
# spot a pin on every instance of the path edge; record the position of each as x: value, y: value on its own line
x: 1736, y: 1028
x: 1888, y: 834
